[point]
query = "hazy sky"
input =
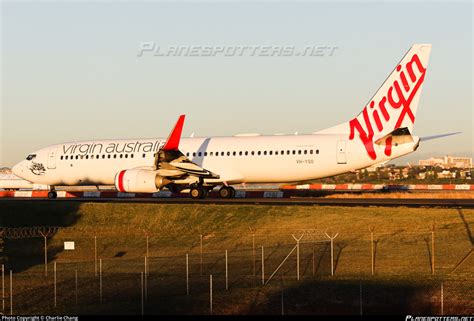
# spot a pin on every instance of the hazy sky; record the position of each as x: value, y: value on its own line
x: 70, y: 71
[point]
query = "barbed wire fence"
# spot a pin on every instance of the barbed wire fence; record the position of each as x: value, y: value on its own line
x: 317, y: 257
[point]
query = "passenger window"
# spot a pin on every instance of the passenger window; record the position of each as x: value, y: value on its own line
x: 283, y: 152
x: 115, y: 155
x: 228, y: 153
x: 240, y: 153
x: 311, y: 151
x: 234, y: 153
x: 77, y: 156
x: 271, y: 152
x: 126, y: 155
x: 187, y: 154
x: 108, y: 156
x: 246, y: 153
x: 287, y: 152
x: 131, y: 156
x: 294, y: 152
x: 194, y: 154
x: 317, y: 151
x: 276, y: 152
x: 87, y: 156
x: 265, y: 152
x: 61, y: 158
x: 253, y: 153
x: 199, y: 154
x: 305, y: 151
x: 211, y: 153
x: 259, y: 152
x: 103, y: 156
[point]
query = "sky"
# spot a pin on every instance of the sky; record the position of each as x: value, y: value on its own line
x: 72, y: 71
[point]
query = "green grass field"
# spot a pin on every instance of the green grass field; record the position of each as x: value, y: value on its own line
x: 403, y: 281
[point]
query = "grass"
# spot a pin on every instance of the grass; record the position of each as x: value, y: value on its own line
x: 417, y: 194
x: 403, y: 282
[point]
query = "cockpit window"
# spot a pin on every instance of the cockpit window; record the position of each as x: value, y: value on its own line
x: 31, y: 156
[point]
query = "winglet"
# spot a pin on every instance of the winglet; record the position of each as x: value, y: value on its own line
x: 172, y: 143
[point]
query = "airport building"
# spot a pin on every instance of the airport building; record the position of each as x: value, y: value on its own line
x: 447, y: 162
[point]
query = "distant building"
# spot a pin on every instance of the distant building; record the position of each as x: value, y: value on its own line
x: 447, y: 162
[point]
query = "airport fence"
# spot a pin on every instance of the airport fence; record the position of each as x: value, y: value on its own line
x: 103, y: 274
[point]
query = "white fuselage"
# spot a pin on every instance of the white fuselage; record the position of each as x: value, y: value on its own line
x: 247, y: 159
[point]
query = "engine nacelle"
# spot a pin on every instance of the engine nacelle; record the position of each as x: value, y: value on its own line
x: 139, y: 181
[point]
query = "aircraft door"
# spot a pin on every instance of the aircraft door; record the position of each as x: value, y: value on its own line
x: 52, y: 158
x: 341, y: 152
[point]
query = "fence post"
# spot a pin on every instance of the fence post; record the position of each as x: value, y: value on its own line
x: 147, y: 246
x: 372, y: 253
x: 143, y: 305
x: 95, y: 255
x: 3, y: 288
x: 201, y: 252
x: 187, y: 274
x: 254, y: 255
x: 146, y: 278
x: 45, y: 255
x: 282, y: 302
x: 226, y: 272
x: 442, y: 299
x: 210, y: 293
x: 100, y: 280
x: 332, y: 251
x: 75, y: 282
x: 433, y: 250
x: 263, y: 267
x: 55, y: 290
x: 11, y: 293
x: 297, y: 239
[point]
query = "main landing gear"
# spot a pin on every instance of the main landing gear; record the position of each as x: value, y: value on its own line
x: 227, y: 192
x: 198, y: 191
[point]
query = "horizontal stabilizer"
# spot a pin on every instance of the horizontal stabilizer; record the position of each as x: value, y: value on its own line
x: 423, y: 139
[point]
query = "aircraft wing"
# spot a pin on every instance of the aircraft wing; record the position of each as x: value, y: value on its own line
x: 171, y: 162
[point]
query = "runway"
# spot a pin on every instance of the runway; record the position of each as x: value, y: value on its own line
x: 304, y: 201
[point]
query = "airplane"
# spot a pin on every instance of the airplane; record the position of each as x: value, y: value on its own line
x: 381, y: 132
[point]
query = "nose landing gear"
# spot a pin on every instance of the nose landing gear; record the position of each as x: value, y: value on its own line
x: 52, y: 194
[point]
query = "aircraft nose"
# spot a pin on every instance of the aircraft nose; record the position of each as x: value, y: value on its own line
x: 18, y: 170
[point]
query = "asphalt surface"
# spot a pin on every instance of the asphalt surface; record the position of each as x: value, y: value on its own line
x: 387, y: 202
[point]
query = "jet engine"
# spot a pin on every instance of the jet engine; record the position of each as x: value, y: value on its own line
x: 139, y: 181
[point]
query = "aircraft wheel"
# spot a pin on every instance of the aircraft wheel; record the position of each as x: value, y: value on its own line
x: 52, y: 194
x: 227, y: 192
x: 197, y: 192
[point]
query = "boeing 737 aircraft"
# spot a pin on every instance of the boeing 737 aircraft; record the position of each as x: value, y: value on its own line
x: 381, y: 132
